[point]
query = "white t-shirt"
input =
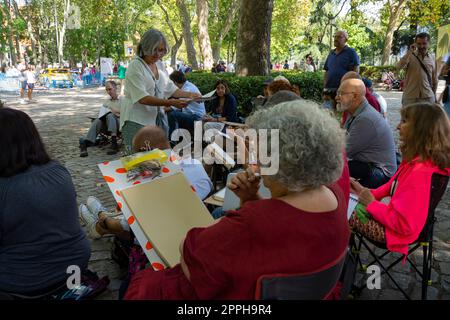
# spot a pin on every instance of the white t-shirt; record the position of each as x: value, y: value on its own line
x: 381, y: 101
x: 139, y: 83
x: 197, y: 177
x: 30, y: 76
x: 110, y: 105
x: 193, y: 107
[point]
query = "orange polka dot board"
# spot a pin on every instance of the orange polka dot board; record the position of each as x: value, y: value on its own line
x: 115, y: 176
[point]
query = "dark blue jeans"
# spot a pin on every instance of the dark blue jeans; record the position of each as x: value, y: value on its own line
x: 369, y: 176
x: 181, y: 120
x: 218, y: 213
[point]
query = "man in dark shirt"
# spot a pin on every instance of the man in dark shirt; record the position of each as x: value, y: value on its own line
x: 340, y: 60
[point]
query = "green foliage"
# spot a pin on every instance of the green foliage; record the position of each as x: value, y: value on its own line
x: 428, y: 12
x: 374, y: 73
x: 246, y: 88
x: 286, y: 26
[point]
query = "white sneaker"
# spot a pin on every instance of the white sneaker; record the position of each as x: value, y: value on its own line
x: 95, y: 206
x: 90, y: 220
x: 22, y: 101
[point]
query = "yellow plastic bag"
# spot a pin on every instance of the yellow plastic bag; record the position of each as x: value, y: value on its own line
x: 137, y: 158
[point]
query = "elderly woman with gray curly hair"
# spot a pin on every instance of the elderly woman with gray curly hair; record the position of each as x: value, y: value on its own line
x: 148, y: 87
x: 303, y: 228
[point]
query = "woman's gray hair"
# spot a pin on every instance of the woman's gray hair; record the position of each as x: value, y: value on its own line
x: 150, y: 42
x: 311, y: 143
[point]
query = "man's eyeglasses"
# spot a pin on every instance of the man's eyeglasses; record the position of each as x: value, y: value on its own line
x: 339, y: 93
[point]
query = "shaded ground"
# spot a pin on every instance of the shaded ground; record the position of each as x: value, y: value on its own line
x: 62, y: 117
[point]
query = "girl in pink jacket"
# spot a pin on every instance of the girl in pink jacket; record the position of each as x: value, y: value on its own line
x: 398, y: 209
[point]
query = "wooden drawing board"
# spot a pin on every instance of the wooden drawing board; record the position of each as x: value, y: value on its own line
x: 166, y: 209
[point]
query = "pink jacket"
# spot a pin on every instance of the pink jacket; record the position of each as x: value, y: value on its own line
x: 405, y: 216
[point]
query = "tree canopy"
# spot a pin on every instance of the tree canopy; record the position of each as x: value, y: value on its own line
x: 52, y: 32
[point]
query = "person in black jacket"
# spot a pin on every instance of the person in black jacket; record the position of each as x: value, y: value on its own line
x: 223, y: 108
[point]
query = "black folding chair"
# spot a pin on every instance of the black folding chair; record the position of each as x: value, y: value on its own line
x: 425, y: 240
x: 311, y: 286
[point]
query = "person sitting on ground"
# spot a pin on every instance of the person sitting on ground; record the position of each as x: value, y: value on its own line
x: 278, y: 85
x: 381, y: 101
x: 370, y: 143
x: 261, y: 100
x: 223, y: 107
x: 424, y: 133
x: 97, y: 218
x: 226, y: 259
x: 221, y: 67
x: 108, y: 121
x: 184, y: 118
x: 40, y: 233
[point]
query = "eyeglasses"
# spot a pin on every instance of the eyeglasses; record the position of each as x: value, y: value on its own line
x: 339, y: 93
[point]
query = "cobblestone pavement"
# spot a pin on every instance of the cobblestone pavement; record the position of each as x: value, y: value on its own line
x: 62, y: 117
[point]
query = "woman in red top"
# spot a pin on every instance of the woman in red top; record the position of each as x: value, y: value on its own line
x: 301, y: 229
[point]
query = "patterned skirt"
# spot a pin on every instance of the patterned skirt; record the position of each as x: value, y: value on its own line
x: 372, y: 229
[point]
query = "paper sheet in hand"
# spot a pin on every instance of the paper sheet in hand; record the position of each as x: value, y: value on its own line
x: 206, y: 97
x: 166, y: 210
x: 103, y: 111
x: 352, y: 202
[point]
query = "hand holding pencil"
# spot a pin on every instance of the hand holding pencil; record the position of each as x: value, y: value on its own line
x: 246, y: 185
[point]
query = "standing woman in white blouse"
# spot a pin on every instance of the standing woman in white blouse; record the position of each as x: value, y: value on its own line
x: 148, y: 87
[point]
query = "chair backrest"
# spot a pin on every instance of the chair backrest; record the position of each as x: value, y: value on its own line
x: 313, y: 286
x: 438, y: 186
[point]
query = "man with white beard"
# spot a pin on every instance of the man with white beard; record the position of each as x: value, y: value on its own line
x: 369, y: 144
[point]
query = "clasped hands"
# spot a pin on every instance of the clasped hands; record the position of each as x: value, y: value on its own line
x: 246, y: 185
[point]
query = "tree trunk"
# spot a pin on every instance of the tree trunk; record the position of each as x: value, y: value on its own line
x: 178, y: 40
x: 223, y: 31
x: 187, y: 34
x: 9, y: 32
x: 203, y: 34
x: 11, y: 47
x: 253, y: 38
x: 62, y: 32
x: 40, y: 57
x: 99, y: 46
x: 18, y: 52
x: 394, y: 15
x: 30, y: 31
x: 174, y: 52
x: 12, y: 4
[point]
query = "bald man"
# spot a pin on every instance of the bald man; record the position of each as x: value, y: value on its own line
x: 370, y: 144
x: 370, y: 98
x: 340, y: 60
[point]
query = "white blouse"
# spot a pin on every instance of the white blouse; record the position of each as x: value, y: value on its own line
x: 139, y: 83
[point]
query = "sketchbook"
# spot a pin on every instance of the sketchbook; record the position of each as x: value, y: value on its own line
x: 166, y: 209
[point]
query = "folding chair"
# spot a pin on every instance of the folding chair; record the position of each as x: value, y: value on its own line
x: 103, y: 138
x: 425, y: 240
x: 312, y: 286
